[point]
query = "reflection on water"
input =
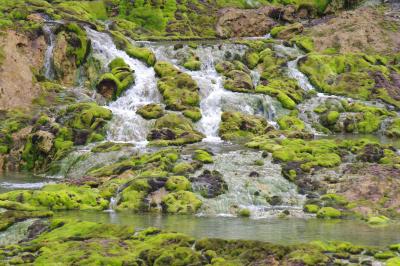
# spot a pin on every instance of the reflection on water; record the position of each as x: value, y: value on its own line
x: 280, y: 231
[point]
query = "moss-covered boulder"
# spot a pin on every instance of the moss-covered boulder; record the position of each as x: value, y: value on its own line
x: 181, y: 202
x: 10, y: 217
x: 112, y: 84
x: 209, y: 184
x: 192, y: 62
x: 173, y: 129
x: 290, y: 122
x: 236, y: 76
x: 151, y: 111
x: 328, y: 213
x: 180, y: 91
x: 235, y: 126
x: 177, y: 183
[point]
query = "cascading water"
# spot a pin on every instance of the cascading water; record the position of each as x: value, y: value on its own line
x: 249, y: 186
x: 126, y: 125
x: 214, y: 98
x: 48, y: 56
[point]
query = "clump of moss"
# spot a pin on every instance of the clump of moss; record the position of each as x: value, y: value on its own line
x: 235, y: 126
x: 58, y: 197
x: 290, y: 122
x: 173, y: 129
x: 203, y: 156
x: 181, y: 202
x: 142, y: 53
x: 236, y: 76
x: 112, y: 84
x: 151, y: 111
x: 180, y: 91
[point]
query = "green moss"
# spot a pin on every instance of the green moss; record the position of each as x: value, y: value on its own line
x: 244, y: 213
x: 252, y: 59
x: 109, y: 146
x: 393, y: 261
x: 308, y: 257
x: 183, y: 168
x: 179, y: 90
x: 58, y: 197
x: 173, y: 129
x: 203, y: 156
x: 287, y: 31
x: 345, y: 74
x: 329, y: 213
x: 79, y: 44
x: 235, y: 126
x: 384, y: 255
x: 178, y: 183
x: 181, y: 202
x: 393, y: 130
x: 304, y: 42
x: 378, y: 220
x: 311, y: 208
x: 290, y: 122
x: 332, y: 117
x: 193, y: 114
x: 8, y: 218
x: 151, y: 111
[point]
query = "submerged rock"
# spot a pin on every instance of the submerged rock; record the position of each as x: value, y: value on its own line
x: 209, y: 184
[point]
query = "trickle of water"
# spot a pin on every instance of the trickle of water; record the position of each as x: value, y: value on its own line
x: 126, y: 125
x: 250, y: 192
x: 48, y: 56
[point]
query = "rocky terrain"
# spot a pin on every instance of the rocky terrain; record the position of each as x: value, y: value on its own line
x: 245, y: 109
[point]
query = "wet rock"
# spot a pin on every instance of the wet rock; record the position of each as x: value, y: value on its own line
x: 81, y: 136
x: 254, y: 174
x: 210, y: 184
x: 163, y: 133
x: 35, y: 229
x: 288, y: 31
x: 371, y: 153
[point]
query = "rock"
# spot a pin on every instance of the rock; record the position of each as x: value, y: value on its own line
x: 371, y: 153
x: 254, y: 174
x: 328, y: 213
x: 203, y: 156
x: 177, y: 183
x: 151, y: 111
x: 181, y: 202
x: 210, y: 184
x: 234, y: 22
x: 235, y: 125
x: 288, y: 31
x: 44, y: 141
x: 35, y: 17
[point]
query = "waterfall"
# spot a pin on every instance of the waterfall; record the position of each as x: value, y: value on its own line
x: 126, y: 125
x: 214, y: 98
x: 294, y: 72
x: 48, y: 56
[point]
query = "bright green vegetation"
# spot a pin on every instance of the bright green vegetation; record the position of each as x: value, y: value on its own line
x: 192, y: 62
x: 55, y: 197
x: 300, y: 156
x: 286, y: 31
x: 291, y: 122
x: 394, y: 128
x: 141, y: 53
x: 203, y: 156
x: 173, y: 129
x: 112, y: 84
x: 352, y: 117
x: 109, y: 146
x: 275, y: 82
x: 236, y: 126
x: 328, y: 213
x: 180, y: 91
x: 237, y: 76
x: 79, y: 44
x: 151, y: 111
x: 358, y: 76
x: 10, y: 217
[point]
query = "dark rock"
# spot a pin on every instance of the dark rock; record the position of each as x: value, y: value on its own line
x: 163, y: 133
x: 81, y: 136
x: 209, y: 184
x: 371, y: 153
x: 157, y: 183
x: 254, y: 174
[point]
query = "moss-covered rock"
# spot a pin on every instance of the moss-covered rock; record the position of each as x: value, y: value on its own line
x: 287, y: 31
x: 203, y: 156
x: 10, y: 217
x: 111, y: 85
x: 151, y: 111
x: 177, y: 183
x: 209, y: 184
x: 180, y: 91
x: 290, y: 122
x: 328, y: 213
x: 181, y: 202
x: 236, y: 76
x: 142, y: 53
x: 58, y: 197
x: 173, y: 129
x: 235, y: 126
